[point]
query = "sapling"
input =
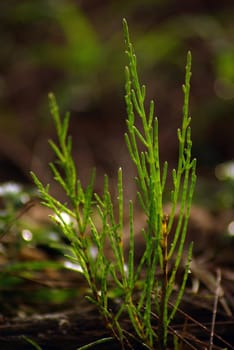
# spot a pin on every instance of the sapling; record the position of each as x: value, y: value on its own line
x: 150, y: 311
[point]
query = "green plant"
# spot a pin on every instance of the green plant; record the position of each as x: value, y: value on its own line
x: 151, y: 313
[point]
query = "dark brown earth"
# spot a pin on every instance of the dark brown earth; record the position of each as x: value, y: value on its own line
x: 74, y: 323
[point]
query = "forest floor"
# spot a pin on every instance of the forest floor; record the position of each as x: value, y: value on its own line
x: 43, y: 301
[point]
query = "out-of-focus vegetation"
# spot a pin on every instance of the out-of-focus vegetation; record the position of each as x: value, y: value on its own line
x: 74, y: 48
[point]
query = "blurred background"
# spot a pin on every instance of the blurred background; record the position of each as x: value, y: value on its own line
x: 76, y: 49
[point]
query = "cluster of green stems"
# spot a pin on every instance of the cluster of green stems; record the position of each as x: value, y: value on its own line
x: 144, y: 287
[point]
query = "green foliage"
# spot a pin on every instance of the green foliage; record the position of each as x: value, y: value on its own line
x: 89, y: 240
x: 151, y: 183
x: 32, y: 342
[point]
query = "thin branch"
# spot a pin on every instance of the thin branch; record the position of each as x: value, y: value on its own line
x: 216, y: 299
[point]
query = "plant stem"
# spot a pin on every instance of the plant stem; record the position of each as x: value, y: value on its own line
x: 162, y: 336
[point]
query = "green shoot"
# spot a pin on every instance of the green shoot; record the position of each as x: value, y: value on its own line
x: 106, y: 272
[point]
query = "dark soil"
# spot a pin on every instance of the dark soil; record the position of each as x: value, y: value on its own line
x: 74, y: 322
x: 71, y: 329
